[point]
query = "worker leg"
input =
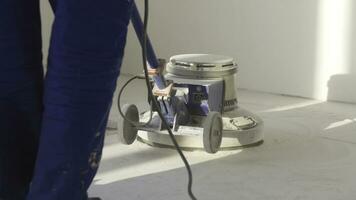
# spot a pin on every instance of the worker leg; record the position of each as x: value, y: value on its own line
x: 87, y: 47
x: 21, y: 78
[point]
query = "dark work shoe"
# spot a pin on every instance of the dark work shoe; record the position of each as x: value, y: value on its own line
x: 94, y: 198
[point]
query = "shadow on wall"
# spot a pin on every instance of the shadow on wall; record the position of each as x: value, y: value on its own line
x: 275, y: 45
x: 273, y: 41
x: 353, y: 43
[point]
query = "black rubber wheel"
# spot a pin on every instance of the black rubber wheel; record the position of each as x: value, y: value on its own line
x: 213, y: 131
x: 126, y: 130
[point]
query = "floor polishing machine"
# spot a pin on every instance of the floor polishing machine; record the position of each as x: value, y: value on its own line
x: 197, y: 96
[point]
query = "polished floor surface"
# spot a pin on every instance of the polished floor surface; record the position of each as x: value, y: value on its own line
x: 309, y: 153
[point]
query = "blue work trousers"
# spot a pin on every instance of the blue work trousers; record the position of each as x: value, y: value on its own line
x: 52, y: 127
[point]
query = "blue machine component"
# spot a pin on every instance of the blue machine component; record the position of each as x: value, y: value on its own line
x: 138, y: 26
x: 167, y: 110
x: 204, y: 98
x: 165, y: 104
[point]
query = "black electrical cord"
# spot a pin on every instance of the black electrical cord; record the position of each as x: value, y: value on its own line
x: 156, y: 105
x: 137, y: 124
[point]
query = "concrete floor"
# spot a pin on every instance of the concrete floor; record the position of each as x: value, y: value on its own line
x: 309, y: 153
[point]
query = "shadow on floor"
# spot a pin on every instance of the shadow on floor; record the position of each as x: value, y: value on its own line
x: 309, y: 153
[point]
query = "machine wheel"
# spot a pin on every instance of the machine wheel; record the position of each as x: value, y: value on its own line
x: 126, y: 130
x: 213, y: 131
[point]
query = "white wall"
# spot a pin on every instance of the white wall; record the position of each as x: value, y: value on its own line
x: 47, y: 19
x: 293, y: 47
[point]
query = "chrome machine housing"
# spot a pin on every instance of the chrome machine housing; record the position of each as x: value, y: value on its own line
x: 240, y: 127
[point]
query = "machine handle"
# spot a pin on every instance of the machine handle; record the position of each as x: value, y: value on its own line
x: 152, y: 60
